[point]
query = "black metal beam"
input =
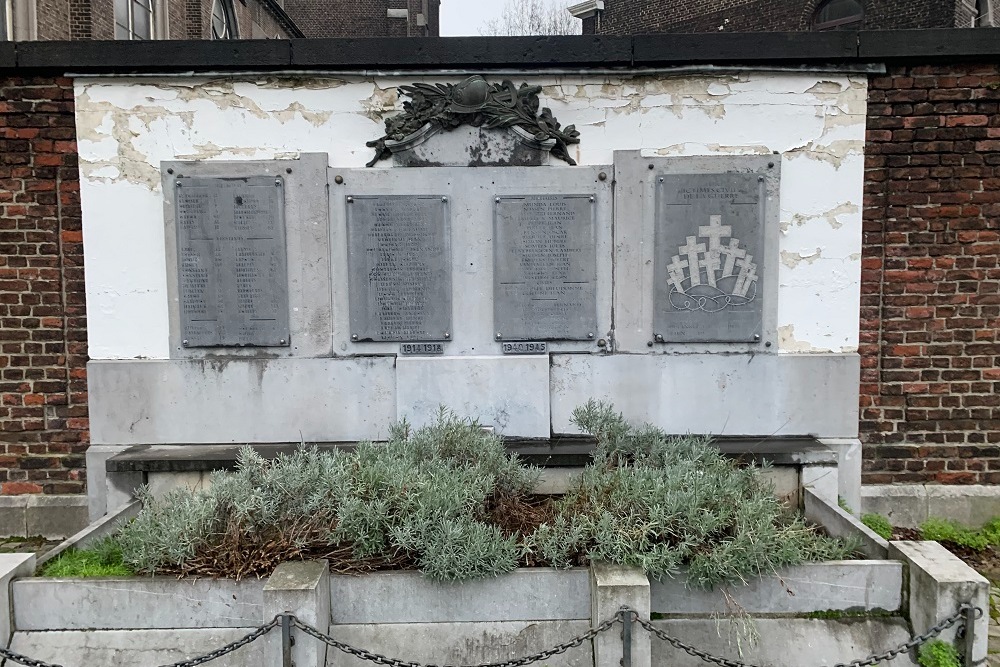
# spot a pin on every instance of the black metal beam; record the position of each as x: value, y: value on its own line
x: 485, y: 53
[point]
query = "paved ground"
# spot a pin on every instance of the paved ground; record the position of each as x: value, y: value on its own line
x: 20, y: 545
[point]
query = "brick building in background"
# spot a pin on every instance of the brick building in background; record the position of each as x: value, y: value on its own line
x: 23, y: 20
x: 634, y: 17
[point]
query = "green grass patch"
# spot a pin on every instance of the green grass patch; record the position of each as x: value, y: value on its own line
x: 879, y: 524
x: 104, y: 559
x: 945, y: 530
x: 938, y: 654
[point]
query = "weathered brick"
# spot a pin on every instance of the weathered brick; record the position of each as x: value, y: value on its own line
x: 43, y: 282
x: 928, y: 331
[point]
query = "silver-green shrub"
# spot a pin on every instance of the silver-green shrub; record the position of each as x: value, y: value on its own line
x: 660, y: 503
x: 449, y: 500
x: 421, y: 498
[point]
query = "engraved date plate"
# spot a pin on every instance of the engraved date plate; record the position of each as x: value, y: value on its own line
x: 399, y: 266
x: 545, y: 267
x: 709, y: 241
x: 525, y: 347
x: 233, y: 283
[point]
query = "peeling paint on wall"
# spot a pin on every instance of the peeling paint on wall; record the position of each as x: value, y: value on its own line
x: 126, y: 127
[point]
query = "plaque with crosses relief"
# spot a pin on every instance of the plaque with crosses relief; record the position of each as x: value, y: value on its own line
x: 709, y: 260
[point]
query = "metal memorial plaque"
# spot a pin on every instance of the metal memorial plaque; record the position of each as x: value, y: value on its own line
x: 421, y: 349
x: 708, y: 245
x: 399, y: 266
x: 233, y: 284
x: 545, y: 268
x: 525, y: 347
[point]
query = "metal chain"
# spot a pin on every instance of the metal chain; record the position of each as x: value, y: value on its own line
x: 377, y: 658
x: 870, y: 661
x: 14, y: 656
x: 228, y: 648
x: 516, y: 662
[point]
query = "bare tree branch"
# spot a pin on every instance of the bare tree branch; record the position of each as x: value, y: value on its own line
x: 532, y: 17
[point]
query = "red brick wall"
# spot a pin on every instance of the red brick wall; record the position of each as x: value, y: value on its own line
x: 628, y: 17
x: 930, y: 312
x: 43, y: 350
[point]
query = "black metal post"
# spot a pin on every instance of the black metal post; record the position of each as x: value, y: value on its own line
x: 970, y: 636
x: 286, y: 640
x: 626, y: 637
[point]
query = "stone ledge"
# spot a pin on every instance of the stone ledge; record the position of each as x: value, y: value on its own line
x: 52, y: 517
x: 555, y: 452
x: 909, y: 505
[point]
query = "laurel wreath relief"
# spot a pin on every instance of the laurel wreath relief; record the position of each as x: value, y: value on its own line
x: 475, y: 102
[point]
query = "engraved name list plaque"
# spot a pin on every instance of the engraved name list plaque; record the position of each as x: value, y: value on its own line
x: 399, y: 268
x: 233, y: 284
x: 545, y: 268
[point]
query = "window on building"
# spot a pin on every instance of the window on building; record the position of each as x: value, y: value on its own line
x: 838, y: 15
x: 6, y: 20
x: 133, y: 19
x: 223, y: 20
x: 984, y: 14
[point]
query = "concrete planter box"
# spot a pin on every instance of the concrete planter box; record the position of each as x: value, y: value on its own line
x: 876, y: 604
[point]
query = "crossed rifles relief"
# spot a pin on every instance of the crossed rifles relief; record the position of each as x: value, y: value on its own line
x: 728, y: 258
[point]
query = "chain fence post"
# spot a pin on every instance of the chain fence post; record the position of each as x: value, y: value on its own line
x: 969, y: 617
x: 298, y: 592
x: 286, y: 640
x: 626, y: 637
x: 611, y: 588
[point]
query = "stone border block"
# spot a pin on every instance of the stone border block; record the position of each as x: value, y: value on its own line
x: 302, y: 589
x: 611, y: 587
x: 939, y: 583
x: 847, y: 585
x: 13, y: 519
x: 11, y: 566
x: 528, y: 594
x: 55, y: 517
x: 840, y: 523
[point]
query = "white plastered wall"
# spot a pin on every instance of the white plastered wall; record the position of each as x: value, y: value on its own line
x: 126, y: 127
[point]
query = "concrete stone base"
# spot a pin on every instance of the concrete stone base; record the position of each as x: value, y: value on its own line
x: 137, y: 648
x: 52, y: 517
x: 910, y: 505
x: 783, y: 642
x: 463, y: 643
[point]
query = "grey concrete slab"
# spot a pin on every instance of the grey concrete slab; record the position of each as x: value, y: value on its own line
x: 939, y: 583
x: 784, y: 642
x: 822, y: 481
x: 97, y: 478
x: 55, y: 517
x: 763, y: 395
x: 307, y: 243
x: 852, y: 585
x: 471, y: 197
x: 11, y: 566
x: 540, y: 594
x: 464, y: 643
x: 13, y: 520
x: 138, y: 604
x: 848, y: 469
x: 509, y: 393
x: 137, y: 648
x: 904, y: 505
x: 840, y: 523
x: 252, y: 400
